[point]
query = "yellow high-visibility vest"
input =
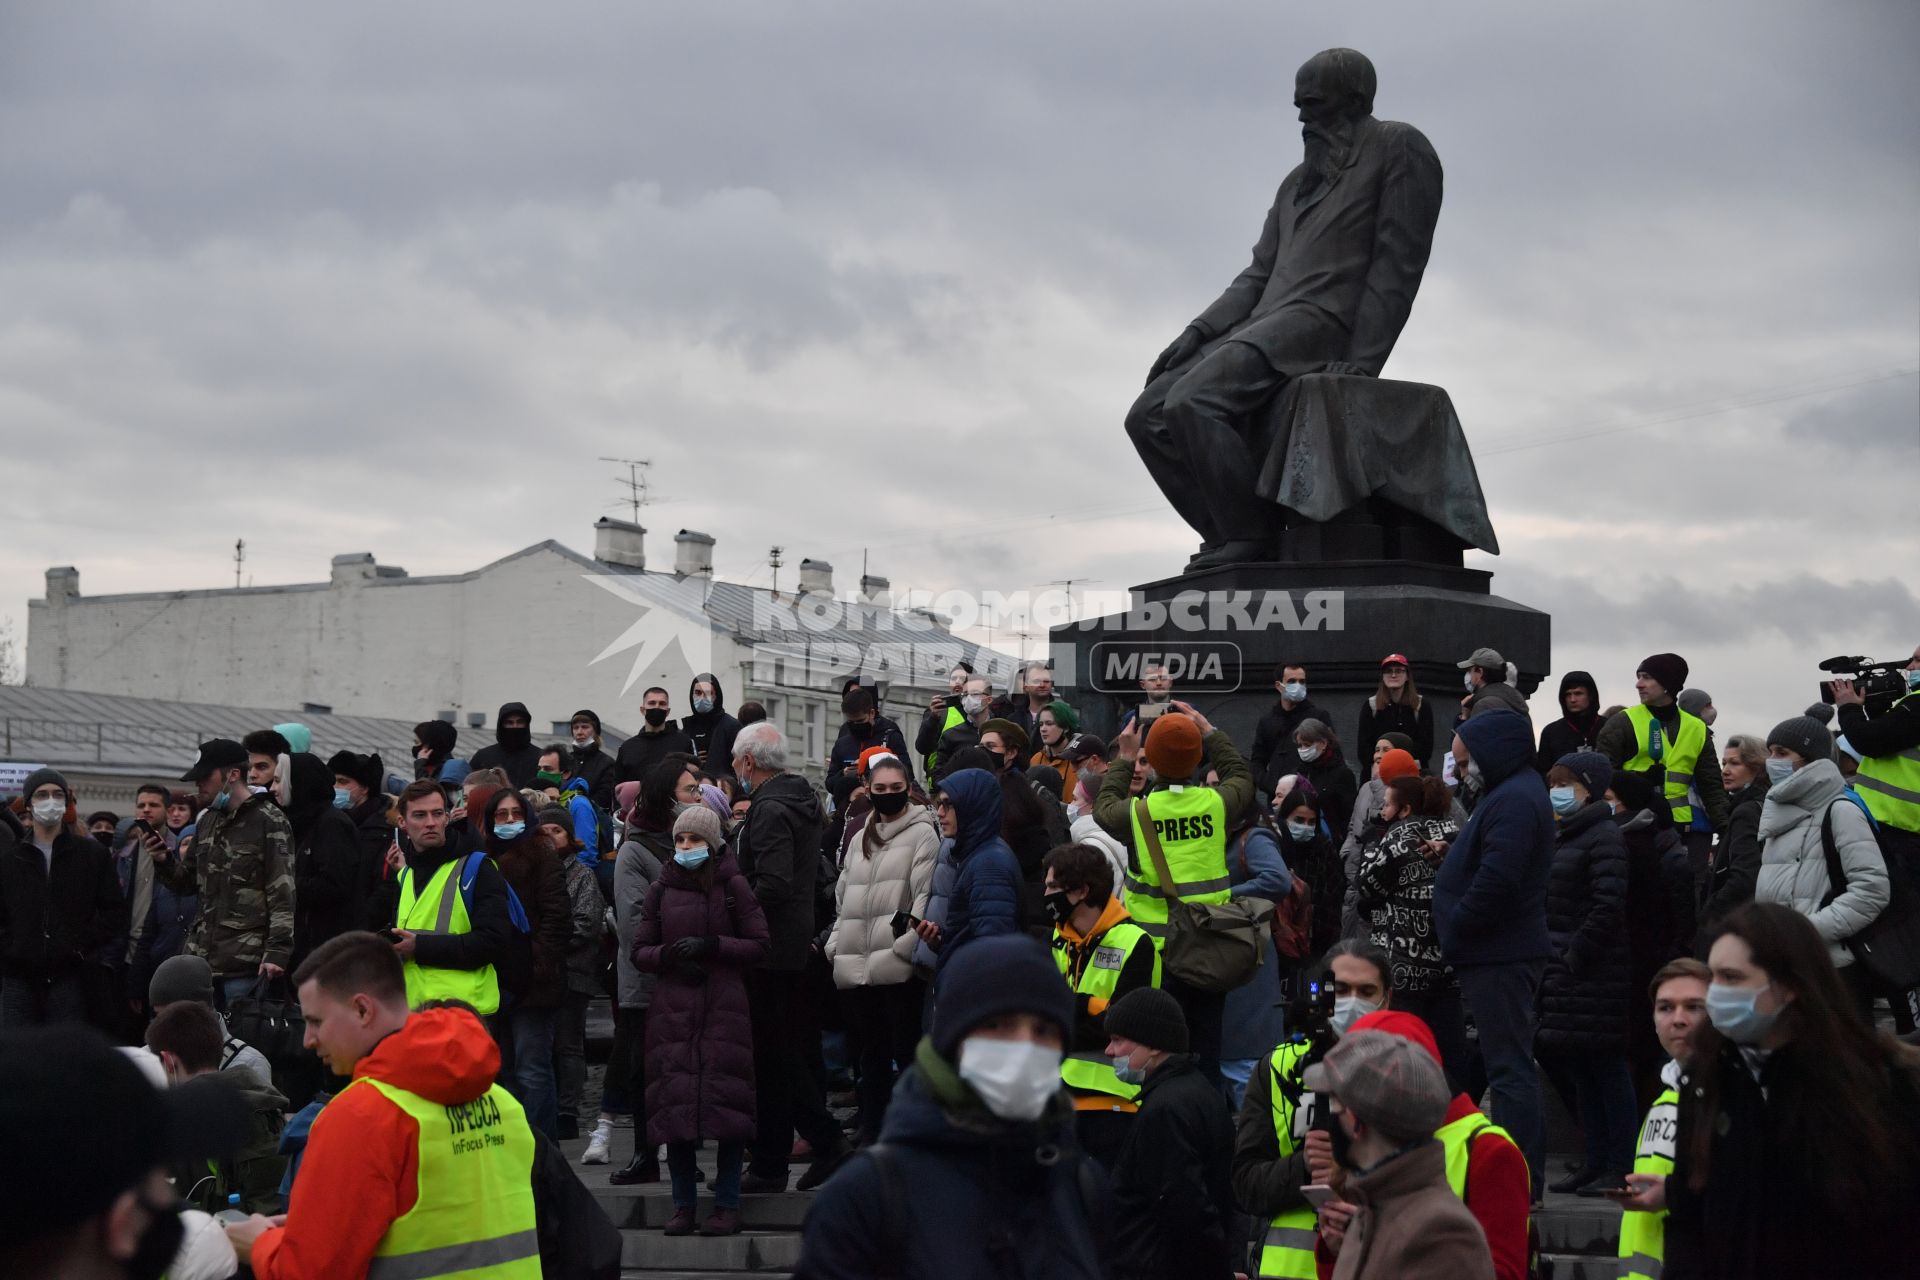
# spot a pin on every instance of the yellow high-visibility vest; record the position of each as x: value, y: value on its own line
x: 472, y: 1215
x: 1286, y: 1251
x: 1677, y: 757
x: 1192, y: 826
x: 1643, y: 1236
x: 1092, y: 1073
x: 442, y: 909
x: 1890, y: 785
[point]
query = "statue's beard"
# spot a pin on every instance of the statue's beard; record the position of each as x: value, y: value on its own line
x: 1327, y: 146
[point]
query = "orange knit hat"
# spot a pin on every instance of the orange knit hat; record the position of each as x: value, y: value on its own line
x: 1173, y: 747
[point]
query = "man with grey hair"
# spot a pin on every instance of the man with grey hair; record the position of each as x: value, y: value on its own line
x: 778, y: 846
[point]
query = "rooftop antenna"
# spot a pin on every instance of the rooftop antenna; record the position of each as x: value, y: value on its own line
x: 1068, y: 584
x: 635, y: 484
x: 239, y: 559
x: 773, y: 559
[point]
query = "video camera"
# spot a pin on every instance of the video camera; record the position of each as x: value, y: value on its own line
x: 1881, y: 684
x: 1310, y: 1015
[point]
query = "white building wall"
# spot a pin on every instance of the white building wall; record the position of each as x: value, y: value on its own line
x: 524, y: 629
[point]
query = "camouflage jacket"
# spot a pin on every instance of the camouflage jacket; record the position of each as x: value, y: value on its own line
x: 241, y: 864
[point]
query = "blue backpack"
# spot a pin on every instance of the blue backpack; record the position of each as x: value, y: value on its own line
x: 469, y: 871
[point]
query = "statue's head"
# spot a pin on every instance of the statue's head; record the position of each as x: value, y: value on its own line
x: 1334, y: 86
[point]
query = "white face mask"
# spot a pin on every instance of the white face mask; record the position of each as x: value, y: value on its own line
x: 48, y: 812
x: 973, y: 704
x: 1348, y: 1010
x: 1015, y: 1078
x: 1294, y: 691
x: 1308, y: 754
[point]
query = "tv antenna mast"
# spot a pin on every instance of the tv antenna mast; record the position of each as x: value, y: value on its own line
x: 239, y: 559
x: 774, y: 561
x: 636, y: 484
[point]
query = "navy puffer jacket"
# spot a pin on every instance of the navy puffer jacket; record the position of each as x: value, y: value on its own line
x: 986, y: 892
x: 1490, y: 898
x: 1584, y: 991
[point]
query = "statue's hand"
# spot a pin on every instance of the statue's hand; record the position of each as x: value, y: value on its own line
x: 1178, y: 352
x: 1341, y: 368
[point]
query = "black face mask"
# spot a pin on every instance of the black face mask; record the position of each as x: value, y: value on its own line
x: 656, y: 716
x: 1059, y: 906
x: 888, y: 804
x: 154, y: 1251
x: 1342, y: 1142
x: 513, y: 737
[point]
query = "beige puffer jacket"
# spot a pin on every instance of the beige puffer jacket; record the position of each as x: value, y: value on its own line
x: 896, y: 876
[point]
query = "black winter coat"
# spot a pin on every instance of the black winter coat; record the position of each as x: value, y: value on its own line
x: 1735, y: 867
x: 1583, y: 993
x: 330, y: 884
x: 1317, y: 861
x: 644, y: 750
x: 1333, y: 778
x: 1397, y: 717
x: 1274, y: 756
x: 595, y: 768
x: 842, y: 776
x: 50, y: 922
x: 1764, y: 1212
x: 492, y: 938
x: 532, y: 868
x: 779, y: 853
x: 1172, y: 1186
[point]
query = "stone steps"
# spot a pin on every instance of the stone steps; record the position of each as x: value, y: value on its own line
x: 1578, y: 1236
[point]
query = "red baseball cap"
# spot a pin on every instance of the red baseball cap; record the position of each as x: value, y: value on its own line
x: 1405, y: 1025
x: 1395, y: 660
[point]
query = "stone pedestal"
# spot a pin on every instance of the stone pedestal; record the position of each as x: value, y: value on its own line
x: 1225, y: 631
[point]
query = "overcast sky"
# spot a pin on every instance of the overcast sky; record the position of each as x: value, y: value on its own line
x: 391, y: 277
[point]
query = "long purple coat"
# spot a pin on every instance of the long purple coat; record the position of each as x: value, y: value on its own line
x: 699, y: 1038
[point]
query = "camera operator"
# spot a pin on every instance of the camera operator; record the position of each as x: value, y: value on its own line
x: 1271, y: 1133
x: 1889, y: 749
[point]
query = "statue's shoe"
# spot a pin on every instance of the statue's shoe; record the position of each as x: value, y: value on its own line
x: 1206, y: 549
x: 1231, y: 553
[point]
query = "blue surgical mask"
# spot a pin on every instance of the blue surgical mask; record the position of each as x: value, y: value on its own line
x: 702, y: 705
x: 1779, y: 769
x: 1565, y: 800
x: 692, y: 859
x: 1294, y: 691
x: 222, y: 799
x: 1913, y: 680
x: 509, y: 830
x: 1735, y: 1013
x: 342, y: 798
x: 746, y: 783
x: 1302, y: 831
x: 1126, y: 1073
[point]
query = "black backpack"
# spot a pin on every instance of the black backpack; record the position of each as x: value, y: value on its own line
x: 577, y: 1239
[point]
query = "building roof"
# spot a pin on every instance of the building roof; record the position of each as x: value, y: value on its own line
x: 109, y: 733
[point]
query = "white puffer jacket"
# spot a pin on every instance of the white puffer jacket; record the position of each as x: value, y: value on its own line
x: 1793, y: 862
x: 896, y: 876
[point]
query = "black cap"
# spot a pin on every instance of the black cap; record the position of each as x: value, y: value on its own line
x: 216, y: 753
x: 66, y: 1163
x: 1083, y: 746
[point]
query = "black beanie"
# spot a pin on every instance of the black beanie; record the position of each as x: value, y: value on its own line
x: 1149, y: 1016
x: 1007, y: 973
x: 590, y: 717
x: 365, y: 770
x: 438, y: 736
x: 41, y: 777
x: 1670, y: 669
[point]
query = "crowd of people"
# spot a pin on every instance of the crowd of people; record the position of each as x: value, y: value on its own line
x: 1135, y: 1008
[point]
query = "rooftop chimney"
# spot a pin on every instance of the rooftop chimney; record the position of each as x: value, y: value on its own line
x: 63, y: 584
x: 355, y: 566
x: 619, y: 542
x: 876, y: 590
x: 816, y: 578
x: 693, y: 553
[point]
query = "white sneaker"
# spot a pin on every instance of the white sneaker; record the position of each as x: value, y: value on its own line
x: 596, y: 1152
